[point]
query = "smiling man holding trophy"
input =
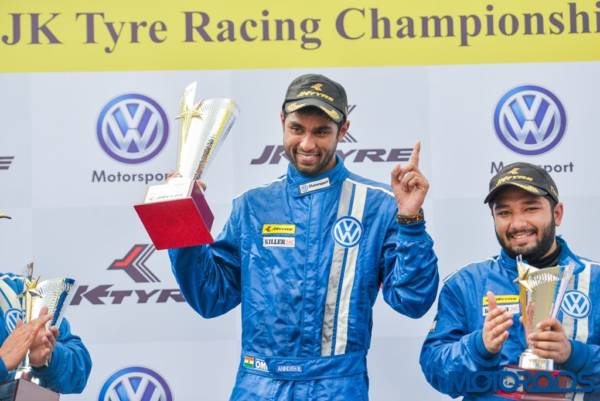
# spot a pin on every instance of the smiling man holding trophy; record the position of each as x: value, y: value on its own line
x: 38, y: 348
x: 306, y: 256
x: 526, y: 315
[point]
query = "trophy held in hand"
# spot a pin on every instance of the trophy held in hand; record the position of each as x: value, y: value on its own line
x: 541, y: 292
x: 176, y: 214
x: 53, y: 294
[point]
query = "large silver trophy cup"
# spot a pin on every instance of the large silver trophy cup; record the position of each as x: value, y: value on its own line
x: 176, y: 214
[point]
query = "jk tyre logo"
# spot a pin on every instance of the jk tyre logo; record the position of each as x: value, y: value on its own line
x: 347, y: 231
x: 530, y: 120
x: 135, y: 384
x: 5, y: 162
x: 134, y: 264
x: 132, y: 128
x: 351, y: 151
x: 576, y: 304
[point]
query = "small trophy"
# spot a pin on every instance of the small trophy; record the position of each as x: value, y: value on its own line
x: 541, y: 292
x: 54, y: 294
x: 175, y: 214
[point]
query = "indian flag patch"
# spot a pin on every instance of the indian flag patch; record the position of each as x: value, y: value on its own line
x: 248, y: 361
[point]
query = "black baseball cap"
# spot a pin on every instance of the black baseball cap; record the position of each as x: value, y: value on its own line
x: 318, y: 91
x: 526, y: 176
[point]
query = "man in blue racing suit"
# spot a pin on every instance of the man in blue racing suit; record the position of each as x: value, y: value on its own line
x: 477, y: 327
x: 59, y: 359
x: 306, y: 256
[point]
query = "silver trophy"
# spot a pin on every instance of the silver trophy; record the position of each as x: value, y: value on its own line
x: 204, y: 126
x: 176, y: 214
x: 54, y: 294
x: 541, y: 292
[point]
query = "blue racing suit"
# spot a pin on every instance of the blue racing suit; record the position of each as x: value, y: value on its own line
x: 306, y: 257
x: 454, y: 348
x: 70, y: 363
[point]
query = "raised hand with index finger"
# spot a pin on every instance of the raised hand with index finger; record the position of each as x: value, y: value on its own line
x: 409, y: 185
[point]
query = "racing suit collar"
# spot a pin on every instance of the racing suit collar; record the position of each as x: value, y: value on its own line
x: 301, y: 185
x: 566, y: 256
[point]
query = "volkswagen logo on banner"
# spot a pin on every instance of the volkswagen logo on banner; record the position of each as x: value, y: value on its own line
x: 135, y: 384
x: 576, y: 304
x: 530, y: 120
x: 132, y: 128
x: 347, y: 231
x: 11, y: 317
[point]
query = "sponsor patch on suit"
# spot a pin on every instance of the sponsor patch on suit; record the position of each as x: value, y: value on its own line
x: 279, y: 242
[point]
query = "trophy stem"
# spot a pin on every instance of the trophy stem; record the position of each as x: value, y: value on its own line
x: 24, y: 370
x: 529, y: 360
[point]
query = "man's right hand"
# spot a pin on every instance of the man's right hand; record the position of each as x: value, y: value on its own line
x: 17, y: 344
x: 174, y: 174
x: 496, y: 325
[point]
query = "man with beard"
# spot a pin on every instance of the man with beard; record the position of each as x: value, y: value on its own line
x: 306, y: 256
x: 478, y: 326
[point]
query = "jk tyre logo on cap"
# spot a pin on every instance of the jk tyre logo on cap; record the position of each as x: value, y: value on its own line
x: 132, y: 128
x: 135, y: 384
x: 530, y: 120
x: 576, y: 304
x: 347, y: 231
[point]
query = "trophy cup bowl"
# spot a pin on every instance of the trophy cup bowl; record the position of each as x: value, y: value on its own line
x: 176, y: 214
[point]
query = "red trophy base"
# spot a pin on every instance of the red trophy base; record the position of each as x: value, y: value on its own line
x: 23, y: 390
x: 177, y: 223
x: 522, y: 394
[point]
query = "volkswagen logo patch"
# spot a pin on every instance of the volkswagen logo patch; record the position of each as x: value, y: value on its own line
x: 576, y: 304
x: 347, y: 231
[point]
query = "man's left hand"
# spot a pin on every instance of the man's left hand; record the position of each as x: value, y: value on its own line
x: 409, y: 185
x: 42, y: 347
x: 550, y: 341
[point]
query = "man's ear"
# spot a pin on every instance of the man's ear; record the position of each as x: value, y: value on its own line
x: 343, y: 130
x: 558, y: 213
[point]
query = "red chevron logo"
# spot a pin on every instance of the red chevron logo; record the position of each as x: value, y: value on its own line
x: 134, y: 264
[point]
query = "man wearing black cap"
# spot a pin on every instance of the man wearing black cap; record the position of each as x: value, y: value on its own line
x: 477, y: 327
x: 306, y: 256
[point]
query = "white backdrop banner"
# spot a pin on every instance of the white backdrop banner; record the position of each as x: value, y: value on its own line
x: 70, y: 187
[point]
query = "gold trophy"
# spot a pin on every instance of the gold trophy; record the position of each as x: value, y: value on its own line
x: 541, y: 292
x: 175, y: 214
